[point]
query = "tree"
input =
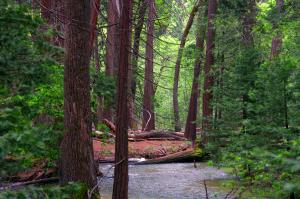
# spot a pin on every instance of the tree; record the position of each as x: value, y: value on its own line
x: 177, y: 125
x: 77, y: 161
x: 248, y: 21
x: 120, y: 188
x: 148, y: 106
x: 52, y: 12
x: 208, y: 78
x: 134, y: 60
x: 275, y: 50
x: 112, y: 46
x: 277, y: 40
x: 190, y: 127
x: 136, y: 42
x: 95, y: 6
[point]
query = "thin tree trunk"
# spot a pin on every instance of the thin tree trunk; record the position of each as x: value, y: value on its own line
x: 95, y: 6
x: 134, y: 63
x: 120, y: 187
x: 248, y: 22
x: 190, y: 127
x: 277, y: 40
x: 58, y: 22
x: 208, y: 78
x: 77, y: 161
x: 285, y: 101
x: 112, y: 48
x: 131, y: 106
x: 51, y: 12
x: 100, y: 99
x: 275, y: 51
x: 177, y: 125
x: 136, y: 44
x: 148, y: 123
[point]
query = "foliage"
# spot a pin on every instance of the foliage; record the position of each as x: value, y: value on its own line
x: 24, y: 62
x: 30, y: 86
x: 105, y: 86
x: 72, y: 190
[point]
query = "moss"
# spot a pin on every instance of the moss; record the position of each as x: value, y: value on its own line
x: 198, y: 152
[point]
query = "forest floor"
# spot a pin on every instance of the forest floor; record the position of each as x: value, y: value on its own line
x: 147, y: 149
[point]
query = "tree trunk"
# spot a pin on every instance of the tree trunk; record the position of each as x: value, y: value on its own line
x: 177, y: 125
x: 112, y: 46
x: 120, y: 187
x: 275, y: 51
x: 134, y: 62
x: 248, y: 22
x: 190, y: 127
x: 148, y: 106
x: 59, y: 22
x: 131, y: 106
x: 208, y: 78
x: 100, y: 99
x: 77, y: 161
x: 51, y: 12
x: 136, y: 44
x: 95, y: 6
x: 277, y: 40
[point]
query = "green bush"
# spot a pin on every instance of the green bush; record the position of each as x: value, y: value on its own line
x: 70, y: 191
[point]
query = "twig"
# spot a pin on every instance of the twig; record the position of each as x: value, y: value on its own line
x: 90, y: 193
x: 148, y: 119
x: 206, y: 193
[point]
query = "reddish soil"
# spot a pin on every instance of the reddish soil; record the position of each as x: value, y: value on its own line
x: 141, y: 149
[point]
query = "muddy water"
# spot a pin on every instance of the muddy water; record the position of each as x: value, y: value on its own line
x: 167, y: 181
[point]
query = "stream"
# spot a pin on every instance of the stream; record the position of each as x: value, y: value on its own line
x: 167, y: 181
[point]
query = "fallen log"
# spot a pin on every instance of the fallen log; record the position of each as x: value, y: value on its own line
x: 189, y: 155
x: 32, y: 182
x: 110, y: 125
x: 155, y: 134
x: 142, y: 135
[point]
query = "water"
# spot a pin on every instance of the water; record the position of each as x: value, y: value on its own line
x: 167, y: 181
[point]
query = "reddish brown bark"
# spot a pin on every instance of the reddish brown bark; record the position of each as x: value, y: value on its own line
x: 177, y: 125
x: 112, y: 46
x: 77, y: 162
x: 112, y: 51
x: 208, y: 78
x: 148, y: 106
x: 120, y: 187
x: 190, y: 127
x: 95, y: 6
